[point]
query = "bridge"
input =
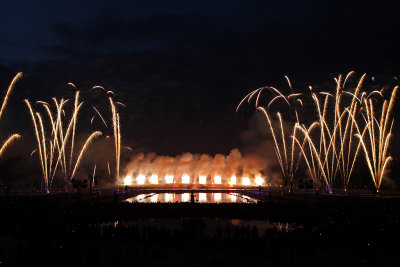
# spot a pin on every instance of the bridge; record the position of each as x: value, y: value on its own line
x: 132, y: 191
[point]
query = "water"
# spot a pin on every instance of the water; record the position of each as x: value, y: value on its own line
x: 197, y: 197
x: 208, y: 227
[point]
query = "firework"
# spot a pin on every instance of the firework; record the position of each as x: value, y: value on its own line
x: 117, y: 137
x: 101, y: 117
x: 13, y: 137
x: 74, y: 119
x: 94, y: 174
x: 375, y: 145
x: 39, y: 146
x: 52, y: 146
x: 8, y: 142
x: 286, y: 155
x: 98, y: 87
x: 84, y: 147
x: 9, y: 90
x: 335, y: 144
x: 332, y: 150
x: 121, y: 104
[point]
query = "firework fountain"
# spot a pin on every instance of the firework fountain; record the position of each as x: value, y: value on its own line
x: 117, y: 137
x: 52, y: 149
x: 375, y: 144
x: 284, y: 144
x: 329, y: 145
x: 344, y: 124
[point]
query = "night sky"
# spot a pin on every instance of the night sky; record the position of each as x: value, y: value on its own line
x: 181, y: 67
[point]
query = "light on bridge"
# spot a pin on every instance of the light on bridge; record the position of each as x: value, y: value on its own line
x: 202, y: 179
x: 217, y: 179
x: 169, y: 179
x: 128, y: 180
x: 245, y: 181
x: 154, y: 179
x: 140, y: 179
x: 185, y: 179
x: 233, y: 180
x: 259, y: 180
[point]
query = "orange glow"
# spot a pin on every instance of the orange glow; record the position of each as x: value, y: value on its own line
x: 169, y: 197
x: 202, y: 197
x: 169, y: 179
x: 259, y: 180
x: 185, y: 197
x: 202, y: 179
x: 140, y: 179
x: 185, y: 179
x: 154, y: 179
x: 154, y: 198
x: 217, y: 197
x: 128, y: 180
x: 217, y: 179
x: 245, y: 181
x: 233, y: 180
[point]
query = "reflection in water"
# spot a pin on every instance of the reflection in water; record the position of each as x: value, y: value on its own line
x: 141, y: 197
x: 185, y: 197
x: 169, y: 197
x: 198, y: 197
x: 208, y: 227
x: 203, y: 197
x: 217, y: 197
x: 154, y: 198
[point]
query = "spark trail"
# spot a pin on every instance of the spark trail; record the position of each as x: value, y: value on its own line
x: 56, y: 138
x: 376, y: 143
x: 328, y: 146
x: 12, y: 137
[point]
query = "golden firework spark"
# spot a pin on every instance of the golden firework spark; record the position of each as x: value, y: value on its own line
x: 9, y: 90
x: 285, y: 154
x: 117, y: 136
x: 13, y: 137
x: 333, y: 151
x: 52, y: 147
x: 98, y: 87
x: 101, y: 117
x: 375, y: 145
x: 84, y: 147
x: 286, y: 162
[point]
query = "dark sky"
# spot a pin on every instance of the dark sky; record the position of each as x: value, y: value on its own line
x: 181, y: 67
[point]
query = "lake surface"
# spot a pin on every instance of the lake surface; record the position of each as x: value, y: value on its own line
x: 197, y: 197
x: 208, y: 227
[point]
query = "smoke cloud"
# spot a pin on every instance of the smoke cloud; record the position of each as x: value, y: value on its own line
x: 196, y: 165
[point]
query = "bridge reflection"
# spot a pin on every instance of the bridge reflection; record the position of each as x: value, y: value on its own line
x: 193, y: 197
